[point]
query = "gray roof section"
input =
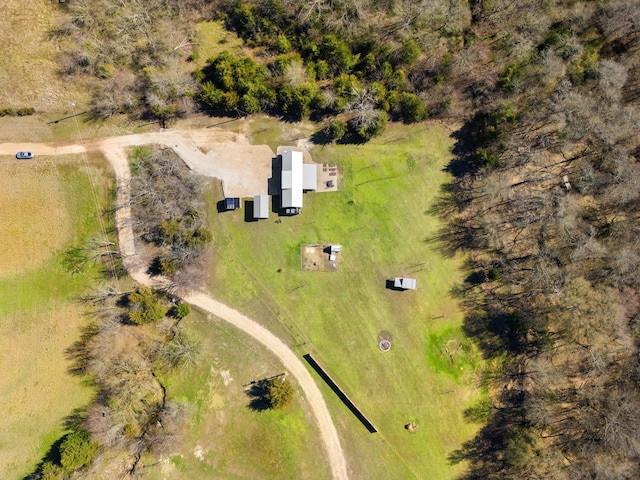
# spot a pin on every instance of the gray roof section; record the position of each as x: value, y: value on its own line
x: 231, y: 203
x: 261, y: 206
x: 287, y: 199
x: 309, y: 176
x: 291, y: 179
x: 285, y: 179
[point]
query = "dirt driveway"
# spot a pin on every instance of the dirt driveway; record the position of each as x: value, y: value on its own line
x: 244, y: 169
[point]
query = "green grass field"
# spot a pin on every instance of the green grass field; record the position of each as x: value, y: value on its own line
x: 381, y: 218
x: 225, y: 439
x: 211, y: 40
x: 39, y: 315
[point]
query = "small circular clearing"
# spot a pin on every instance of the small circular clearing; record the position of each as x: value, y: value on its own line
x: 384, y: 341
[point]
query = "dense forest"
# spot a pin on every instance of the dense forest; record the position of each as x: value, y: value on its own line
x: 546, y: 190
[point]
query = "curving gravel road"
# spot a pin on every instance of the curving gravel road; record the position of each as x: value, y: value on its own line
x: 183, y: 143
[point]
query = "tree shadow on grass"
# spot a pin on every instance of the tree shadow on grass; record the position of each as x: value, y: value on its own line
x: 468, y: 138
x: 52, y: 456
x: 476, y: 277
x: 78, y: 353
x: 75, y: 420
x: 322, y: 137
x: 257, y: 394
x: 457, y: 236
x: 491, y: 453
x: 451, y: 199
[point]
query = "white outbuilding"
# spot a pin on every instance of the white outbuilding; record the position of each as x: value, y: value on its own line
x: 404, y: 283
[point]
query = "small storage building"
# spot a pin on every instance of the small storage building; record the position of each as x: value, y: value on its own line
x: 231, y: 203
x: 404, y: 283
x: 261, y: 206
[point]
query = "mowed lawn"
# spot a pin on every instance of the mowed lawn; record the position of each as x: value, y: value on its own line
x: 46, y: 206
x: 382, y: 218
x: 224, y: 437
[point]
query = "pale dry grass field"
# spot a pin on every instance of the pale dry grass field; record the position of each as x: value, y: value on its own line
x: 46, y: 206
x: 32, y: 128
x: 36, y: 389
x: 28, y: 57
x: 34, y: 222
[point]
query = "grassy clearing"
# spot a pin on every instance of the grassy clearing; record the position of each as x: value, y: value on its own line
x: 265, y: 130
x: 39, y: 318
x: 28, y: 58
x: 43, y: 127
x: 37, y: 392
x: 63, y: 215
x: 225, y: 438
x: 381, y: 217
x: 212, y: 39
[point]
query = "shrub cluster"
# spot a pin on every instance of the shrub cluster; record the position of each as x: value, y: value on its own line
x: 20, y: 112
x: 241, y: 85
x: 278, y: 392
x: 76, y: 450
x: 145, y: 306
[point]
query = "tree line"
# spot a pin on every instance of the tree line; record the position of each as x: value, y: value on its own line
x: 545, y: 199
x: 133, y: 338
x: 137, y: 55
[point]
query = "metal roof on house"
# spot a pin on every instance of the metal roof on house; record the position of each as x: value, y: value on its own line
x: 291, y: 198
x: 309, y: 176
x: 285, y: 179
x: 291, y: 179
x: 261, y: 206
x: 405, y: 283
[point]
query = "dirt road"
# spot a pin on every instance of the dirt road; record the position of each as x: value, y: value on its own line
x: 184, y: 144
x: 243, y: 168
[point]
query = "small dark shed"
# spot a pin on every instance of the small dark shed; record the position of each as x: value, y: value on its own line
x: 231, y: 203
